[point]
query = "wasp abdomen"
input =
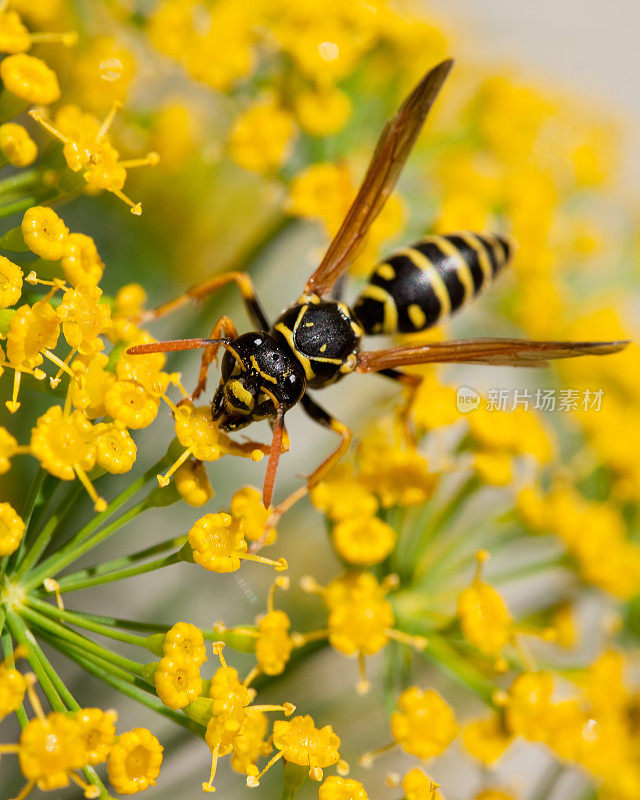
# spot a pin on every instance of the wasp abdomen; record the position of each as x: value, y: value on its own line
x: 419, y: 285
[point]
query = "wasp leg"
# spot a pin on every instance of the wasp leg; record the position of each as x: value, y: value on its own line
x: 322, y: 417
x: 223, y: 329
x: 411, y: 382
x: 202, y: 290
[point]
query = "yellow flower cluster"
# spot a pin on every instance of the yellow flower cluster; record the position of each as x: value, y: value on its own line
x: 54, y: 746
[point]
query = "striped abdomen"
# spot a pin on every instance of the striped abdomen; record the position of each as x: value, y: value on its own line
x: 418, y: 286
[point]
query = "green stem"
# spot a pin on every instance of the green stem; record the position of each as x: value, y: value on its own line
x: 441, y: 653
x: 39, y: 545
x: 24, y: 636
x: 110, y: 570
x: 84, y: 621
x: 132, y: 625
x: 81, y: 542
x: 7, y: 209
x: 124, y: 683
x: 20, y: 180
x: 7, y: 650
x: 30, y: 502
x: 421, y: 554
x: 548, y: 782
x: 62, y: 632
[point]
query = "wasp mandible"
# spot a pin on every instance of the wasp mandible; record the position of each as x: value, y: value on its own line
x: 317, y: 341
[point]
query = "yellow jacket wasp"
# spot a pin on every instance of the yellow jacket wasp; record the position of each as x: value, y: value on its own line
x: 316, y: 341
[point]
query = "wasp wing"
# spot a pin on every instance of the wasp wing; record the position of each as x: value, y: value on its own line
x: 393, y: 148
x: 497, y: 352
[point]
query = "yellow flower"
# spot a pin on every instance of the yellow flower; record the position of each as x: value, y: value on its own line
x: 335, y: 788
x: 434, y: 404
x: 8, y: 448
x: 29, y: 78
x: 14, y: 35
x: 44, y: 232
x: 359, y: 616
x: 398, y: 474
x: 131, y: 404
x: 218, y: 542
x: 300, y: 742
x: 247, y: 503
x: 16, y: 145
x: 493, y: 794
x: 273, y: 645
x: 116, y: 450
x: 529, y: 706
x: 363, y: 540
x: 424, y: 724
x: 486, y: 739
x: 417, y: 785
x: 91, y: 383
x: 10, y: 282
x: 177, y: 680
x: 65, y: 446
x: 229, y: 695
x: 102, y: 71
x: 324, y: 111
x: 342, y: 496
x: 13, y: 685
x: 98, y: 733
x: 249, y: 743
x: 60, y: 442
x: 84, y: 318
x: 193, y: 484
x: 32, y: 330
x: 50, y: 749
x: 174, y: 135
x: 260, y: 137
x: 323, y: 192
x: 11, y: 529
x: 134, y: 761
x: 495, y: 469
x: 185, y: 639
x: 484, y: 617
x: 81, y: 263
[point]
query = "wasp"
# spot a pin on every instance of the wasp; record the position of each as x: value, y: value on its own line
x: 318, y: 340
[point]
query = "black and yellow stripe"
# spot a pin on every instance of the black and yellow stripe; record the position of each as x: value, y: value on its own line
x: 419, y: 285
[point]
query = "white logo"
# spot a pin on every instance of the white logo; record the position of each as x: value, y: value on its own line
x: 467, y: 399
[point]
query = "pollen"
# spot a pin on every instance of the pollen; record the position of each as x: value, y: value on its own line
x: 134, y: 761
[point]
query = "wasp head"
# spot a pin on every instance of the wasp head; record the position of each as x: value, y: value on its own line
x: 257, y: 380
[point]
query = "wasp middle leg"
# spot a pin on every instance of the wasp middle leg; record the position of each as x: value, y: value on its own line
x: 202, y: 290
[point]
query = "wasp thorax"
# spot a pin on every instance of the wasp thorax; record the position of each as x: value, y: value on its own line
x: 257, y: 379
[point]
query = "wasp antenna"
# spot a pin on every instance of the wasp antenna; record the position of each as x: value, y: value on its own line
x: 173, y: 345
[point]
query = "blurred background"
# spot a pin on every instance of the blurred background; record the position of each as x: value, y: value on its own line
x: 585, y: 51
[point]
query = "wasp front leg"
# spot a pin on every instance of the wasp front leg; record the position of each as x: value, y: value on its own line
x: 202, y: 290
x: 223, y: 329
x: 322, y: 417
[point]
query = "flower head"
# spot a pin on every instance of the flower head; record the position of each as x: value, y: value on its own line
x: 10, y: 282
x: 134, y: 761
x: 484, y: 617
x: 81, y: 262
x: 363, y: 540
x: 302, y: 743
x: 98, y: 733
x: 84, y: 318
x: 177, y: 680
x: 260, y: 137
x: 424, y: 724
x: 336, y: 788
x: 192, y: 482
x: 187, y: 640
x: 417, y: 785
x: 50, y: 749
